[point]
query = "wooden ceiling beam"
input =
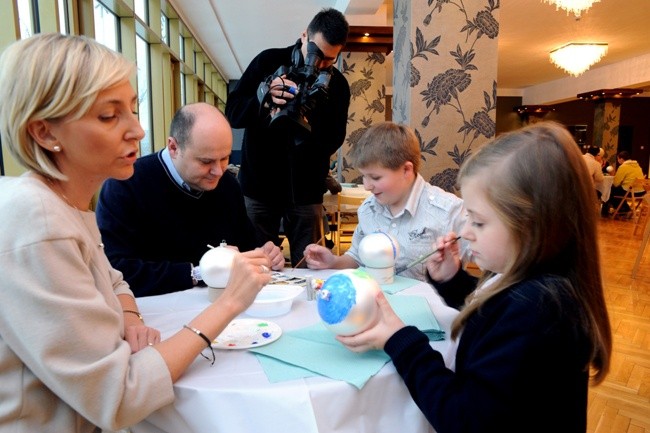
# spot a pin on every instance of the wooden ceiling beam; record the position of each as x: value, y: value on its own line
x: 376, y: 39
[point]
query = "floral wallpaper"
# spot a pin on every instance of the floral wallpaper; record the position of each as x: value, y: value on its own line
x: 366, y: 75
x: 607, y: 117
x: 444, y: 79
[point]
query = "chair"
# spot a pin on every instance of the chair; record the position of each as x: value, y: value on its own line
x: 329, y: 225
x: 346, y: 217
x: 643, y: 209
x: 632, y: 198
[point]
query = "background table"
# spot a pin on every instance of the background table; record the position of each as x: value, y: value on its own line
x: 235, y: 395
x: 346, y: 203
x: 331, y: 202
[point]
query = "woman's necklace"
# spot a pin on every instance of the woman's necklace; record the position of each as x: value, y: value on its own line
x: 58, y: 191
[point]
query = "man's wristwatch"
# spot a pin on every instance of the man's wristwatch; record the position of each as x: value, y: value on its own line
x: 196, y: 275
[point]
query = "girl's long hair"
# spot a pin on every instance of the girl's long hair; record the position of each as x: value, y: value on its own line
x: 537, y: 181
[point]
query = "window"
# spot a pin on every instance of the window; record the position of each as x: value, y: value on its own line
x: 144, y: 94
x: 26, y: 20
x: 181, y: 41
x: 64, y: 26
x: 164, y: 28
x: 106, y: 28
x: 142, y: 10
x: 183, y: 98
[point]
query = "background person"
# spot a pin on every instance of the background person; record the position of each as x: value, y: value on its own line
x: 594, y: 167
x: 402, y: 203
x: 74, y: 353
x: 157, y: 224
x: 628, y: 171
x: 284, y: 166
x: 536, y: 324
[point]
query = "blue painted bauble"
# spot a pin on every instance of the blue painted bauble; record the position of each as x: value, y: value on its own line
x: 346, y: 301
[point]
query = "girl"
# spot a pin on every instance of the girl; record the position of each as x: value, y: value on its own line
x: 536, y: 325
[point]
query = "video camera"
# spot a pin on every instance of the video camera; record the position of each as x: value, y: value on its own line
x: 312, y: 85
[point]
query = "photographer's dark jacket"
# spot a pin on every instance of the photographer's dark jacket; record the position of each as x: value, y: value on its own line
x: 274, y: 169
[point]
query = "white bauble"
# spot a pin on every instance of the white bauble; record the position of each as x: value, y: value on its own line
x: 378, y: 250
x: 216, y: 264
x: 346, y: 301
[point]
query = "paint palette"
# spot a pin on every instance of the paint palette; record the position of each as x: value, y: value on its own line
x: 247, y: 333
x: 282, y: 278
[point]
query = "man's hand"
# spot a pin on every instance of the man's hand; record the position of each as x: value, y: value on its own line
x: 282, y: 90
x: 275, y: 255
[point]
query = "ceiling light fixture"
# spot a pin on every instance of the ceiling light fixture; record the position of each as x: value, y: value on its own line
x: 576, y: 58
x: 576, y: 7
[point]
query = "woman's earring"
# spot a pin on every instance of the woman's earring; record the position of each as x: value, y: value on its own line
x: 56, y: 148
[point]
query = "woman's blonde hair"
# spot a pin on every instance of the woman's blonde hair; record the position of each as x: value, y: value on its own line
x: 536, y: 180
x: 387, y: 144
x: 51, y: 76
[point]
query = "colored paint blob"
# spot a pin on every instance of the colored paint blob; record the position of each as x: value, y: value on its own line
x: 342, y: 297
x: 346, y: 301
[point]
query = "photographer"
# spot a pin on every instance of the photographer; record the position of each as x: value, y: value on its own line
x: 293, y: 105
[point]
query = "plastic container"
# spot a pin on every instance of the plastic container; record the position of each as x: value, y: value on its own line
x: 274, y: 300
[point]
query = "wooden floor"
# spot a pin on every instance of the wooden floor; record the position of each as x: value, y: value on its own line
x: 622, y: 402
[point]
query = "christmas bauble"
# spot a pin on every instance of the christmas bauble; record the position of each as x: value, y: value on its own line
x: 346, y: 301
x: 378, y: 252
x: 216, y: 264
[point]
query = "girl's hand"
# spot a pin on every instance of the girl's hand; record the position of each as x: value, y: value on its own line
x: 445, y: 263
x: 386, y: 324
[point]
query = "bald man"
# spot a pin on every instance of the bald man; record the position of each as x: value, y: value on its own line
x: 156, y: 225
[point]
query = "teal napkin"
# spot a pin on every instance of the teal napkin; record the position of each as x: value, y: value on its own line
x: 315, y: 351
x: 415, y: 310
x: 319, y: 353
x: 398, y: 284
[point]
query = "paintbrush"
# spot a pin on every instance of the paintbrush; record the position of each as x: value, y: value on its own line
x: 305, y: 257
x: 423, y: 257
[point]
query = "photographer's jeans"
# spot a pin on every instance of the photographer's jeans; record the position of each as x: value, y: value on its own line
x: 301, y: 224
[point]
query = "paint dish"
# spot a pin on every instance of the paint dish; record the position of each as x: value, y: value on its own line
x: 274, y: 300
x: 247, y: 333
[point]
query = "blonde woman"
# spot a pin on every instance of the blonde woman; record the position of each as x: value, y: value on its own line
x: 75, y: 354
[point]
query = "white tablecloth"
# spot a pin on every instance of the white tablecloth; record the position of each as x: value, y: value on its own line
x: 605, y: 188
x: 234, y: 395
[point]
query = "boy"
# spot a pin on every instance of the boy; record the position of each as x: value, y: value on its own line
x: 402, y: 204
